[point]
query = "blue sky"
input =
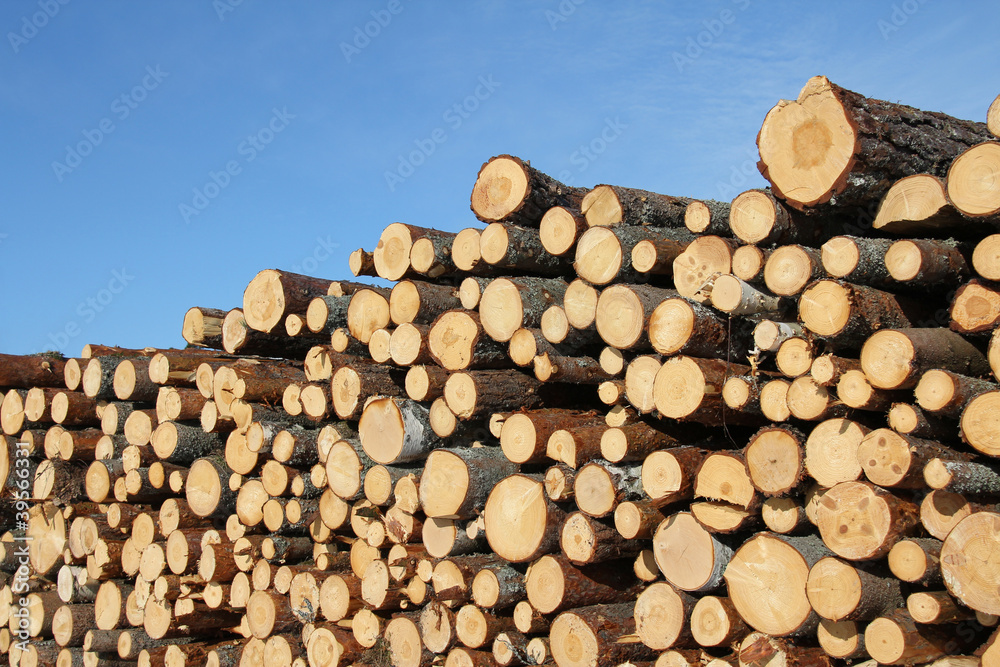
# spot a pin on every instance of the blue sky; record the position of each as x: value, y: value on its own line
x: 156, y: 156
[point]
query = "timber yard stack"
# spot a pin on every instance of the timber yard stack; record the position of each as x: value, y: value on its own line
x: 610, y: 427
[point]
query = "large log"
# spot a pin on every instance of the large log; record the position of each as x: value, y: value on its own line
x: 272, y: 295
x: 833, y: 145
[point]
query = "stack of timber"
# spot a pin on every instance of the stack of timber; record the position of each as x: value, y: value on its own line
x: 605, y: 427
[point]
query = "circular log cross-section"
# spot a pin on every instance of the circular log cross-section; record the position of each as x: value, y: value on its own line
x: 689, y: 556
x: 973, y: 180
x: 970, y: 562
x: 767, y: 582
x: 521, y: 522
x: 860, y: 521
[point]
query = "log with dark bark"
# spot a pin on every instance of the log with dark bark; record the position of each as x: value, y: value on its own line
x: 391, y: 257
x: 273, y: 295
x: 509, y: 304
x: 896, y: 358
x: 510, y: 248
x: 833, y: 145
x: 605, y: 254
x: 509, y: 189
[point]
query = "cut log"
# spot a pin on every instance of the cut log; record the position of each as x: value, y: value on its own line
x: 634, y: 441
x: 735, y: 297
x: 976, y: 308
x: 508, y: 248
x: 560, y: 228
x: 767, y: 582
x: 704, y: 257
x: 912, y: 420
x: 968, y: 561
x: 580, y: 304
x: 790, y: 268
x: 413, y: 301
x: 35, y: 370
x: 757, y: 217
x: 273, y: 295
x: 395, y: 430
x: 836, y: 146
x: 918, y: 205
x: 858, y: 260
x: 895, y: 358
x: 588, y: 635
x: 979, y: 424
x: 521, y: 522
x: 327, y: 313
x: 661, y: 617
x: 860, y: 521
x: 940, y: 511
x: 749, y: 262
x: 831, y: 451
x: 986, y: 257
x: 458, y: 341
x: 707, y: 217
x: 768, y: 335
x: 623, y: 314
x: 477, y: 394
x: 971, y: 180
x: 608, y: 205
x: 668, y: 475
x: 784, y: 515
x: 896, y: 640
x: 456, y: 482
x: 715, y: 622
x: 690, y: 558
x: 510, y: 190
x: 965, y: 477
x: 945, y: 394
x: 352, y: 385
x: 855, y: 391
x: 391, y: 256
x: 599, y: 487
x: 845, y: 315
x: 690, y: 389
x: 508, y: 304
x: 425, y: 382
x: 683, y: 326
x: 916, y: 561
x: 585, y: 540
x: 605, y: 254
x: 239, y: 338
x: 840, y: 591
x: 936, y: 608
x: 367, y: 312
x: 926, y: 264
x: 794, y: 356
x: 524, y: 436
x: 775, y: 460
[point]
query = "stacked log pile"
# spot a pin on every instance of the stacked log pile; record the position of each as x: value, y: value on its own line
x: 609, y: 427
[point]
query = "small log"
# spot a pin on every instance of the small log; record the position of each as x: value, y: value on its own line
x: 975, y: 308
x: 735, y: 297
x: 859, y: 260
x: 661, y: 616
x: 895, y: 639
x: 554, y: 584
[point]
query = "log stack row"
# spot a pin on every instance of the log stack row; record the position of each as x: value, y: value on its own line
x: 609, y: 427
